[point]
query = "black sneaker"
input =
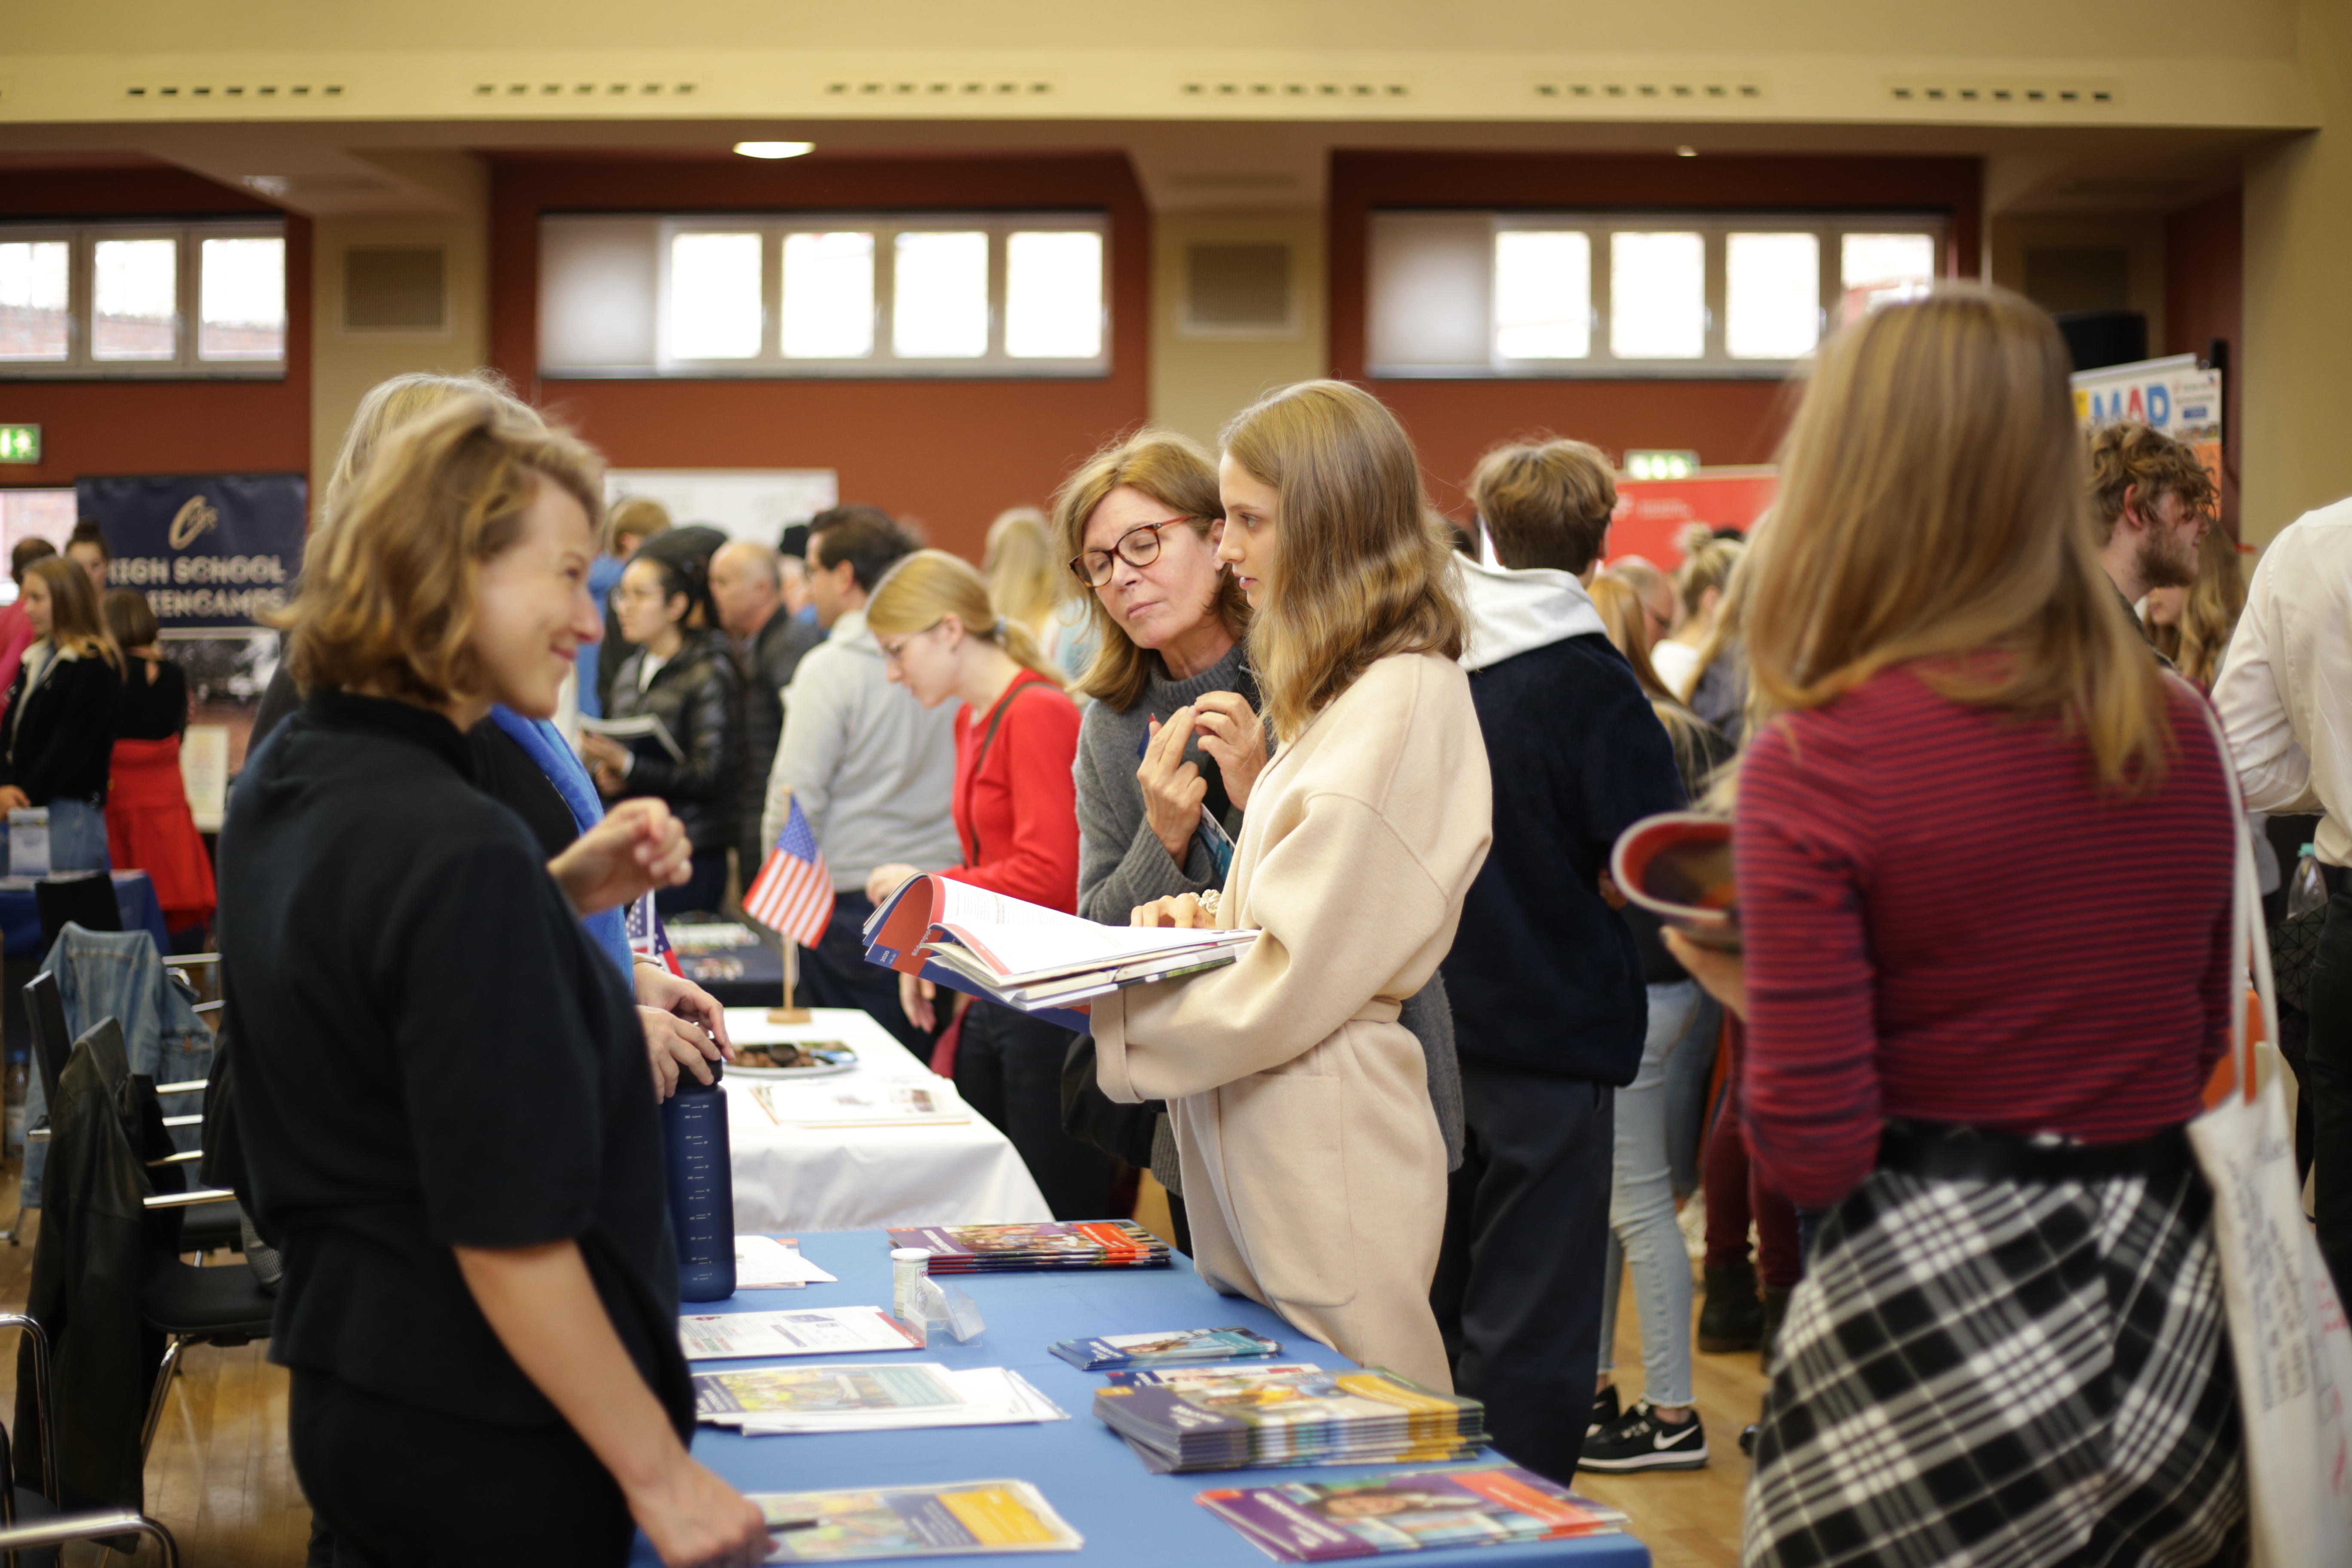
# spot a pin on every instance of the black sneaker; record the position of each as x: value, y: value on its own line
x: 1640, y: 1441
x: 1606, y: 1411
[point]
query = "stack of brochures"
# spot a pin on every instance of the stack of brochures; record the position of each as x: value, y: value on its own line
x: 1422, y: 1510
x: 953, y: 1518
x: 1027, y: 956
x: 868, y: 1397
x: 1008, y: 1248
x: 1173, y: 1348
x: 1234, y: 1418
x: 811, y: 1330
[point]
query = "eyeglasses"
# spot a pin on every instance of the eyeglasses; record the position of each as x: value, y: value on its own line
x: 1137, y: 547
x: 896, y: 653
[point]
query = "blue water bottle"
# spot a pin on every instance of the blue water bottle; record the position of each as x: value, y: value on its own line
x: 701, y: 1187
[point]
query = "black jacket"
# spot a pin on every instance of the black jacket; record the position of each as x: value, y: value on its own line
x: 60, y: 734
x: 698, y: 697
x: 98, y: 1246
x: 1577, y: 755
x: 773, y: 657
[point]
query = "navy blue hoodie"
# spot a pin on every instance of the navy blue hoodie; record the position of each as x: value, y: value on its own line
x: 1544, y: 975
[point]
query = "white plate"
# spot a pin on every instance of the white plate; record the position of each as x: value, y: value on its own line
x: 847, y: 1062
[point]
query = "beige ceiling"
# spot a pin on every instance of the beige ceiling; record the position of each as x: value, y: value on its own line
x: 337, y: 107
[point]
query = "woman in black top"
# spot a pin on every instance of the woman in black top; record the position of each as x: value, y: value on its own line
x: 443, y: 1091
x: 62, y: 707
x: 684, y: 676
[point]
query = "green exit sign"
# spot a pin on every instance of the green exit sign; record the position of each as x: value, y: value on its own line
x: 20, y: 442
x: 1660, y: 464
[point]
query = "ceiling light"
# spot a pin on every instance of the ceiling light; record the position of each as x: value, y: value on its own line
x: 1679, y: 152
x: 774, y: 149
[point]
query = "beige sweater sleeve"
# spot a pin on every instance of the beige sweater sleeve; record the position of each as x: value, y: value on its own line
x: 1355, y: 903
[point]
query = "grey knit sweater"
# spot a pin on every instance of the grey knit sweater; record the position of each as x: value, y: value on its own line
x: 1122, y: 863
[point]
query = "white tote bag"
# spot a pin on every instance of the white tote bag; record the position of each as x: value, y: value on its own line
x: 2288, y: 1338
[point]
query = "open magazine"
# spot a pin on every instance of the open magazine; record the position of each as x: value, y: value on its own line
x: 1028, y: 957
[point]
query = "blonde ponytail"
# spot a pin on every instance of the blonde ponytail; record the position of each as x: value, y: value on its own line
x: 929, y: 585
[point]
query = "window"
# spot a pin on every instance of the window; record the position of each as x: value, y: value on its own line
x: 1473, y: 294
x: 906, y: 295
x: 118, y: 300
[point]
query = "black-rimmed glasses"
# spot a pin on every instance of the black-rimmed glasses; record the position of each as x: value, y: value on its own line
x: 1137, y: 547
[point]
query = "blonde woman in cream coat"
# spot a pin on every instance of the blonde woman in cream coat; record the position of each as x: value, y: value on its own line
x: 1312, y: 1160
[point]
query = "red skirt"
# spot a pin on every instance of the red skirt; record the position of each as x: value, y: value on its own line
x: 150, y: 828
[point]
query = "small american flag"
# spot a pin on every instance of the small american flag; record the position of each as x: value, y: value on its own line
x: 644, y: 926
x: 793, y: 892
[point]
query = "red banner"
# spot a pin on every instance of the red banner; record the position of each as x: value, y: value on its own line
x: 1650, y: 513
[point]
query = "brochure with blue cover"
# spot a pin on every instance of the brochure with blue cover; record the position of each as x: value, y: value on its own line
x: 1174, y: 1347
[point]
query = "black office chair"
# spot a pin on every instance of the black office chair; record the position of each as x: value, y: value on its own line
x: 85, y: 898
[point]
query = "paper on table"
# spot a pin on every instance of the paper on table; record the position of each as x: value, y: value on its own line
x: 811, y: 1330
x: 864, y: 1105
x: 990, y: 1396
x: 768, y: 1263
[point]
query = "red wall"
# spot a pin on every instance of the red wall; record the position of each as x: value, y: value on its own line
x: 1452, y: 420
x: 951, y: 453
x: 131, y: 427
x: 2204, y: 299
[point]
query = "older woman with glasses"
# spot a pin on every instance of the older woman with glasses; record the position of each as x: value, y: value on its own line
x: 1172, y: 738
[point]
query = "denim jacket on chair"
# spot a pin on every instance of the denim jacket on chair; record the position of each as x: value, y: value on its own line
x: 103, y: 973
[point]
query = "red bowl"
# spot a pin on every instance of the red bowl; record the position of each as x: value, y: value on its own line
x: 1677, y: 866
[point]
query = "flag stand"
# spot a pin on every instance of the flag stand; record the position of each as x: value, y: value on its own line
x: 789, y: 1013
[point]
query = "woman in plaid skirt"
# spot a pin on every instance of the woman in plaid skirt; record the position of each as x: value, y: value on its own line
x: 1984, y: 856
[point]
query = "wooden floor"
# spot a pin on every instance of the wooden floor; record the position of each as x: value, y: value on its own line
x: 221, y: 1481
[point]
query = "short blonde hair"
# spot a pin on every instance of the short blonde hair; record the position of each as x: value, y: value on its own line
x: 929, y: 585
x: 1545, y: 503
x: 387, y: 602
x: 1931, y: 510
x: 1363, y: 567
x: 394, y: 402
x: 1177, y: 472
x: 639, y: 517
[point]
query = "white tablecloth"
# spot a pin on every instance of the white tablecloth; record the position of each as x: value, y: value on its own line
x: 790, y: 1179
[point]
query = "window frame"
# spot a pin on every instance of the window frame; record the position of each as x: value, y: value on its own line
x: 1600, y: 225
x: 883, y: 363
x: 188, y: 235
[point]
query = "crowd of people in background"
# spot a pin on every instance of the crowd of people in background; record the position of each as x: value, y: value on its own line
x: 1458, y: 1085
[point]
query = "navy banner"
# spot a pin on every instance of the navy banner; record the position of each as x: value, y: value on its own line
x: 211, y: 552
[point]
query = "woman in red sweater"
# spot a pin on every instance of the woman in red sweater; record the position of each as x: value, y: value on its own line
x: 1984, y: 852
x: 1016, y: 814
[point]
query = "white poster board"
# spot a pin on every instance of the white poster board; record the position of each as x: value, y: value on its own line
x: 742, y: 503
x: 2171, y: 394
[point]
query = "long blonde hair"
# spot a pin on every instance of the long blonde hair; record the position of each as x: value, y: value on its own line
x: 1362, y: 564
x: 1627, y: 625
x: 1932, y: 511
x: 2197, y: 642
x: 1023, y: 583
x: 1177, y: 473
x: 929, y: 585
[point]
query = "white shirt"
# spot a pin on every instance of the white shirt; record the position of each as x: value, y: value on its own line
x: 2284, y: 694
x: 1676, y: 664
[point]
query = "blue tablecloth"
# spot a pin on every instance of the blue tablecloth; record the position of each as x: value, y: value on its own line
x: 1129, y: 1516
x: 20, y: 913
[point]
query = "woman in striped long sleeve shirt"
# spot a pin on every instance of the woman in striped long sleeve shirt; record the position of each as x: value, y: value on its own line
x: 1984, y: 853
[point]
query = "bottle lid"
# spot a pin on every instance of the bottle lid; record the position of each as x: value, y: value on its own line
x: 2306, y: 849
x: 909, y: 1255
